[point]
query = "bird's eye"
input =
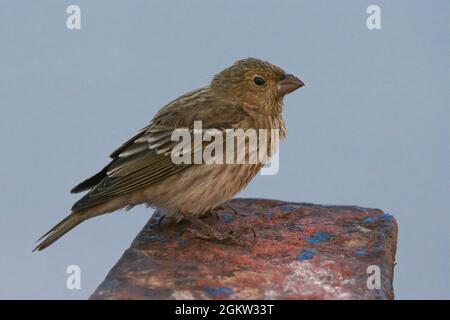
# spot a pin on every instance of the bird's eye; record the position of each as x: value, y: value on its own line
x: 259, y: 81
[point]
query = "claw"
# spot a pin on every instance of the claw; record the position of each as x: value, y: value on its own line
x: 244, y: 229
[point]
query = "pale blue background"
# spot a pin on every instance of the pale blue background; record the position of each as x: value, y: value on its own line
x: 371, y: 127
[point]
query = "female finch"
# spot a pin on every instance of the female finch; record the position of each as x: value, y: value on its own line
x: 249, y: 94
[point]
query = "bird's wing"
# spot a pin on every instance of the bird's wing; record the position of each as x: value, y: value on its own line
x: 146, y: 158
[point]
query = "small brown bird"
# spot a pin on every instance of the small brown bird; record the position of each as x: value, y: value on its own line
x: 249, y: 94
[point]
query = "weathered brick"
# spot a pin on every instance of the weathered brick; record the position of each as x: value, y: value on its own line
x: 301, y: 251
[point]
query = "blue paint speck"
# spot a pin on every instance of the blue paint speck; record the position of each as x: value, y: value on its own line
x: 360, y: 253
x: 386, y: 217
x: 220, y: 291
x: 368, y: 220
x: 318, y: 237
x: 288, y: 208
x: 155, y: 238
x: 227, y: 218
x: 306, y: 255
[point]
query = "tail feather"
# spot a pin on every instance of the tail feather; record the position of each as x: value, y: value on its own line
x: 90, y: 182
x: 59, y: 230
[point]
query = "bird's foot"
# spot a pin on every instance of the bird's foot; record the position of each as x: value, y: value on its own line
x: 238, y: 234
x: 206, y: 232
x: 231, y: 236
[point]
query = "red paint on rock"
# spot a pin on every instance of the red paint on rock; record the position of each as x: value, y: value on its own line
x: 183, y: 267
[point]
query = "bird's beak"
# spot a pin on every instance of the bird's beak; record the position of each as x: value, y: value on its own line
x: 288, y: 84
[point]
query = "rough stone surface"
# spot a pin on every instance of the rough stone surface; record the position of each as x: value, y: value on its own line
x: 301, y: 251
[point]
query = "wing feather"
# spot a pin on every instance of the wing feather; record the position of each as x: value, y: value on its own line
x: 145, y: 159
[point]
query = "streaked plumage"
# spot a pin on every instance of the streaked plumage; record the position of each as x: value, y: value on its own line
x: 141, y: 170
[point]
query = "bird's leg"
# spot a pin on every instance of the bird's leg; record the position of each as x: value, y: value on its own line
x: 214, y: 212
x: 222, y: 207
x: 227, y: 206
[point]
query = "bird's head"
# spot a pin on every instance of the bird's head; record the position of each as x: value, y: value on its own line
x: 255, y: 83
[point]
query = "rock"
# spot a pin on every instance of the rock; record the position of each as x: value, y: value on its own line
x: 301, y: 251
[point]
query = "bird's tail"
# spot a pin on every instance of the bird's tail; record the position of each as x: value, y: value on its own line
x: 67, y: 224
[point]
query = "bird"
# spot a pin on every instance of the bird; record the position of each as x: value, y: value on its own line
x: 247, y: 94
